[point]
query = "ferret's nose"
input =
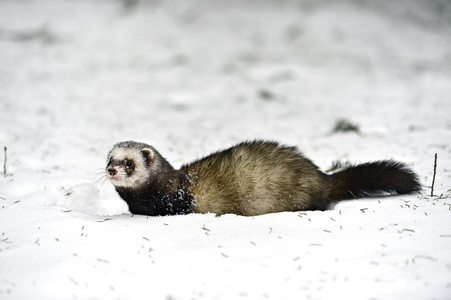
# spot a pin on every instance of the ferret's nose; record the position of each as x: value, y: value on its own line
x: 112, y: 171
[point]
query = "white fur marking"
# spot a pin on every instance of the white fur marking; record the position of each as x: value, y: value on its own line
x: 121, y: 179
x: 149, y: 153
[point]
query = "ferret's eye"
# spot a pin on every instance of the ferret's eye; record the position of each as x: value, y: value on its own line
x: 129, y: 164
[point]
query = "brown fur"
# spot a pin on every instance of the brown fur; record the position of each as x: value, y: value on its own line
x: 254, y: 178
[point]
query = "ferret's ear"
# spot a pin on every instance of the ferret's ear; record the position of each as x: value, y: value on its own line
x: 148, y: 154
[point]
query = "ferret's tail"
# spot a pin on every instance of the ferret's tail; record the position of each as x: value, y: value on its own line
x: 371, y: 179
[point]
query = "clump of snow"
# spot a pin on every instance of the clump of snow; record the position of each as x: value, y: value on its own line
x: 82, y: 198
x: 190, y: 78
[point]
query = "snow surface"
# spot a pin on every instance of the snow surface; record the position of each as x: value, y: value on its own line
x: 192, y: 77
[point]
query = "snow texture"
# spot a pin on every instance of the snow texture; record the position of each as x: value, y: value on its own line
x: 190, y: 78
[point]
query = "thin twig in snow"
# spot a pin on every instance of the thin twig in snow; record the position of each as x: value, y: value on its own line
x: 4, y: 164
x: 433, y: 177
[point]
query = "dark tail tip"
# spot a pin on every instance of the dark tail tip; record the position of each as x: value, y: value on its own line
x: 375, y: 178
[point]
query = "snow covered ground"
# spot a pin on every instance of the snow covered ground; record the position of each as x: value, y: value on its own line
x: 192, y: 77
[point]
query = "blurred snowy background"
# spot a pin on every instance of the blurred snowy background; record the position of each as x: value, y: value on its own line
x: 192, y: 77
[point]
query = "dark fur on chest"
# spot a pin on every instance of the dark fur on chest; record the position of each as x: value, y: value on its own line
x: 154, y: 201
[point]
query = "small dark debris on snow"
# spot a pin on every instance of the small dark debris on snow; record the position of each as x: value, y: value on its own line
x: 104, y: 220
x: 73, y: 281
x: 266, y: 95
x: 344, y: 125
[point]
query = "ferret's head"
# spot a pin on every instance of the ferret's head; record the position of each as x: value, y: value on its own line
x: 131, y: 164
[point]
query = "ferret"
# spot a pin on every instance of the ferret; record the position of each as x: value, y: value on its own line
x: 251, y: 178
